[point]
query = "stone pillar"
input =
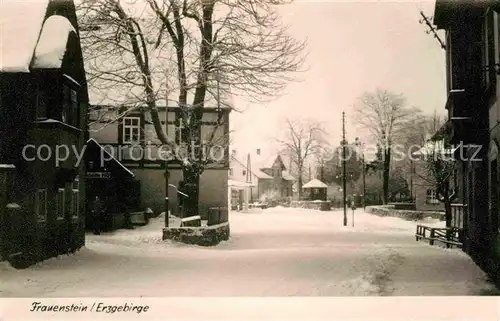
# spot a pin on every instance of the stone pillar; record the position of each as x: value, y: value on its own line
x: 6, y: 175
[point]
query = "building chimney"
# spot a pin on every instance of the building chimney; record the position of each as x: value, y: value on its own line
x: 258, y: 151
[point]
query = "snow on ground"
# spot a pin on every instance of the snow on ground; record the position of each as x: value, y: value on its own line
x: 272, y: 252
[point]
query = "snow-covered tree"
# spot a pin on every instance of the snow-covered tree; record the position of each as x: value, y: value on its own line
x: 385, y: 116
x: 302, y: 141
x: 139, y: 52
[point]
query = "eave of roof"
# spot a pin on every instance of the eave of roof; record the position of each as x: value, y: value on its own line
x: 445, y: 11
x: 92, y: 140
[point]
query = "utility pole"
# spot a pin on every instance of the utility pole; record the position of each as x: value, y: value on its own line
x: 344, y: 181
x: 166, y: 164
x: 426, y: 20
x: 322, y: 170
x: 364, y: 182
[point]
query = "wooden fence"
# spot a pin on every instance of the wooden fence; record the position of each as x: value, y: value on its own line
x: 457, y: 212
x: 451, y: 236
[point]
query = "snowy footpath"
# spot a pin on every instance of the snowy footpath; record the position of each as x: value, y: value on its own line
x: 273, y: 252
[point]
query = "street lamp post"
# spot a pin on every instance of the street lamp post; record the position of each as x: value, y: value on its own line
x: 411, y: 179
x: 344, y: 168
x: 364, y: 183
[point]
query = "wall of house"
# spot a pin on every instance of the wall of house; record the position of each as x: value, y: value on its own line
x: 238, y: 171
x: 421, y: 203
x: 422, y: 181
x: 286, y: 188
x: 103, y: 133
x: 263, y: 187
x: 38, y: 238
x: 213, y: 188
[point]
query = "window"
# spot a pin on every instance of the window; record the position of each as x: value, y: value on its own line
x: 65, y: 104
x: 131, y: 130
x: 41, y: 205
x: 230, y: 172
x: 61, y: 200
x: 69, y: 113
x: 432, y: 197
x: 75, y: 198
x: 74, y: 108
x: 75, y: 202
x: 244, y: 172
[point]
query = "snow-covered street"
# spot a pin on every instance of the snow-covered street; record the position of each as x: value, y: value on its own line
x: 274, y: 252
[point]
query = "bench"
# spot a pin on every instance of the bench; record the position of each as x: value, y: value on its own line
x: 191, y: 221
x: 138, y: 218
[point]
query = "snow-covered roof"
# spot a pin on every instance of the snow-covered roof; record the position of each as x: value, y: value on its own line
x: 236, y: 183
x: 287, y: 176
x: 210, y: 102
x: 260, y: 174
x: 255, y: 171
x: 51, y: 47
x: 315, y: 183
x: 20, y: 25
x: 265, y: 161
x: 91, y: 140
x: 97, y: 101
x: 256, y: 162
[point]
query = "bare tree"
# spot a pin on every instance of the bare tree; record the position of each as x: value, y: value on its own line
x: 301, y: 142
x: 214, y: 48
x: 440, y: 171
x: 384, y: 115
x: 322, y: 161
x: 439, y: 165
x: 418, y: 131
x: 414, y: 136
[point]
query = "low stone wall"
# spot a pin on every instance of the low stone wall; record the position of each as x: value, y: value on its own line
x: 314, y: 205
x: 404, y: 206
x: 389, y: 210
x: 204, y: 235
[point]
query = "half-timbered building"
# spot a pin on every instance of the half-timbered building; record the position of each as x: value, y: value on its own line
x: 43, y: 108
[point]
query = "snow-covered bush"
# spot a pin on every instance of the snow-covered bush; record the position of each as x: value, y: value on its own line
x: 269, y: 196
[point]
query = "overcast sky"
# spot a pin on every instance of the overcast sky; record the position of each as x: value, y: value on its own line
x: 354, y: 47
